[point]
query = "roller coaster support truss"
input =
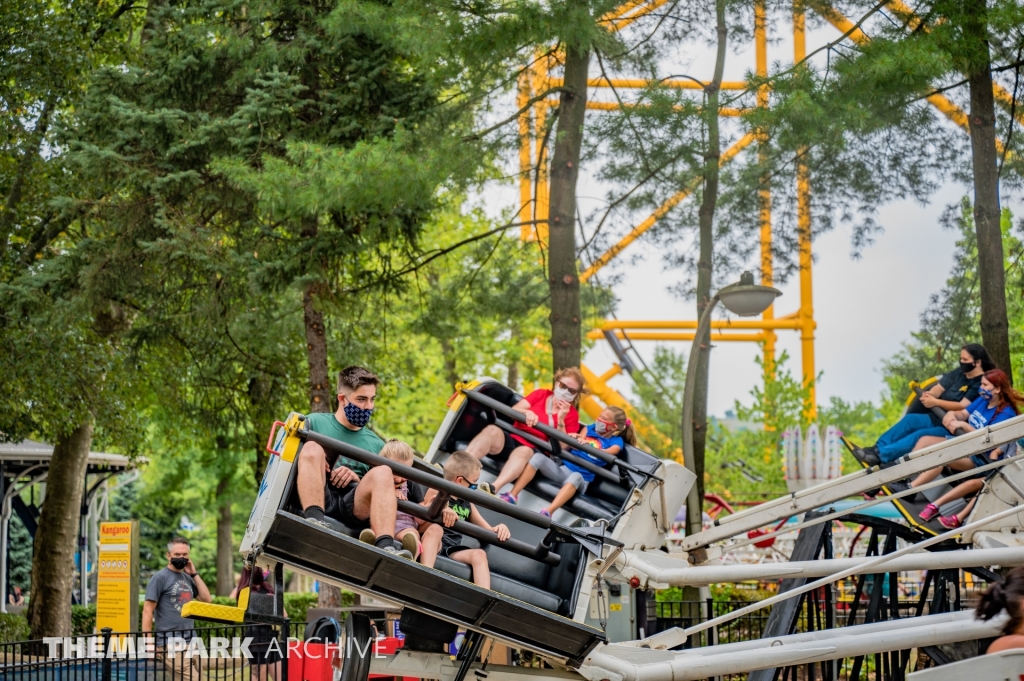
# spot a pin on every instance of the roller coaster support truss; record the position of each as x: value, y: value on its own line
x: 534, y: 180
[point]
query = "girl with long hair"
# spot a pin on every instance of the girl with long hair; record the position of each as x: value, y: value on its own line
x: 997, y: 401
x: 954, y: 391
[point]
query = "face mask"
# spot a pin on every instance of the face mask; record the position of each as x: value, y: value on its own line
x: 967, y: 367
x: 357, y: 416
x: 987, y: 394
x: 472, y: 485
x: 179, y: 563
x: 564, y: 395
x: 600, y: 427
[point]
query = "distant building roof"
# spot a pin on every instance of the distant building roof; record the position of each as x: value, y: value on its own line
x: 18, y: 457
x: 735, y: 425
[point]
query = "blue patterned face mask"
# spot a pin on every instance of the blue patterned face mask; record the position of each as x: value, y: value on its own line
x: 357, y: 416
x: 987, y: 394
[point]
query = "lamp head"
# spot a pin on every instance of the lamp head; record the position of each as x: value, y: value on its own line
x: 747, y: 299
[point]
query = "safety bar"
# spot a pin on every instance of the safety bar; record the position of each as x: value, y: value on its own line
x: 599, y: 471
x: 541, y: 552
x: 553, y: 434
x: 338, y: 448
x: 938, y: 411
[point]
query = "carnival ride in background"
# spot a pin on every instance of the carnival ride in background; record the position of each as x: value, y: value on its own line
x: 552, y: 583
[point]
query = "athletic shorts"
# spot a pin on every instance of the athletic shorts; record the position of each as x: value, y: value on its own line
x: 340, y: 505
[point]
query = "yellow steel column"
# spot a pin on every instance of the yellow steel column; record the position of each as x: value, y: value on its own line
x: 526, y: 232
x: 540, y: 212
x: 764, y: 193
x: 803, y: 218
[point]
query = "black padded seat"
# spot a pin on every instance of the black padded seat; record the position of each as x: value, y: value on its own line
x: 337, y: 526
x: 582, y: 505
x: 503, y: 585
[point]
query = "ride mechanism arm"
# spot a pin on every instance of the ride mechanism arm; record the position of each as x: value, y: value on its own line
x: 826, y: 493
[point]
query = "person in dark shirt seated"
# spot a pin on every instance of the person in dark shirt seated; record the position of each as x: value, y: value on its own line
x: 998, y: 401
x: 953, y: 392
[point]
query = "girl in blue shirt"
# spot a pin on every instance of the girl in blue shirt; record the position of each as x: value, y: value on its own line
x: 997, y: 402
x: 609, y: 433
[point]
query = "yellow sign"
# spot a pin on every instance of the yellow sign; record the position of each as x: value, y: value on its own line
x: 117, y: 597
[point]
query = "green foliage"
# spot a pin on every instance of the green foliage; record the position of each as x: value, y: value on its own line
x: 658, y: 391
x: 19, y: 557
x: 298, y: 604
x: 13, y: 627
x: 83, y: 619
x: 953, y: 315
x: 747, y: 463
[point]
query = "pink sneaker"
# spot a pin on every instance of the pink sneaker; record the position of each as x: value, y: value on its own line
x: 950, y: 522
x: 508, y: 498
x: 929, y: 512
x: 544, y: 512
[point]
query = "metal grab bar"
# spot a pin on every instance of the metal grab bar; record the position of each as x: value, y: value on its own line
x: 553, y: 434
x: 541, y: 552
x: 599, y: 471
x: 338, y: 448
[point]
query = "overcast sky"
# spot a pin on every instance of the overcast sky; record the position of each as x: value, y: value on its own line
x: 865, y: 308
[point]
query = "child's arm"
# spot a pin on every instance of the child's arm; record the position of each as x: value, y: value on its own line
x: 477, y: 519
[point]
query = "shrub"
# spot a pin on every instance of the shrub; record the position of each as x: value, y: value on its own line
x: 297, y: 605
x: 13, y: 627
x: 83, y: 619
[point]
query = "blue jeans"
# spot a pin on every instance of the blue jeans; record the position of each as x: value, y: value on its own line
x: 904, y: 434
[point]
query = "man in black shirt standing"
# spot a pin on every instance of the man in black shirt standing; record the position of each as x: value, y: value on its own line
x: 953, y: 391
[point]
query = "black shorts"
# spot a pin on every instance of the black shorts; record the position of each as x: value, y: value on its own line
x: 510, y: 444
x: 340, y: 505
x: 451, y: 544
x: 263, y: 652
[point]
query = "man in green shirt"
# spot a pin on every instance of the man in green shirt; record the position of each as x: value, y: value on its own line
x: 352, y: 492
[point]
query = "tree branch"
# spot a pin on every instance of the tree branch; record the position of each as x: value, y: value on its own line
x: 526, y: 107
x: 439, y: 253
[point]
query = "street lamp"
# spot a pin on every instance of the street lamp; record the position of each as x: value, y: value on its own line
x: 746, y: 299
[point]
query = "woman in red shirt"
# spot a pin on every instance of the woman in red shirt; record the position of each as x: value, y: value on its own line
x: 555, y: 408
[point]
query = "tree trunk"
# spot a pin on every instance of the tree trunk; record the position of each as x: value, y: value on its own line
x: 706, y: 216
x: 319, y: 389
x: 316, y: 338
x: 991, y: 273
x: 563, y: 278
x: 225, y: 544
x: 57, y: 537
x: 261, y: 415
x: 451, y: 374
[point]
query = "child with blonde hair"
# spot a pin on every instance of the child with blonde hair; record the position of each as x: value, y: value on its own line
x: 407, y: 527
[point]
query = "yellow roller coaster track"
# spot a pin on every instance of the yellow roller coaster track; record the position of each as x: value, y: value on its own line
x: 534, y: 200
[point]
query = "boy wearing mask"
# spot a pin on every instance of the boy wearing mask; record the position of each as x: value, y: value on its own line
x: 464, y: 469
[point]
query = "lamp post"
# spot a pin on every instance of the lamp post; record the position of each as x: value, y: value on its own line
x: 746, y: 299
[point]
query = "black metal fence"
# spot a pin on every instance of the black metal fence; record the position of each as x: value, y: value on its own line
x: 663, y: 615
x: 218, y: 653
